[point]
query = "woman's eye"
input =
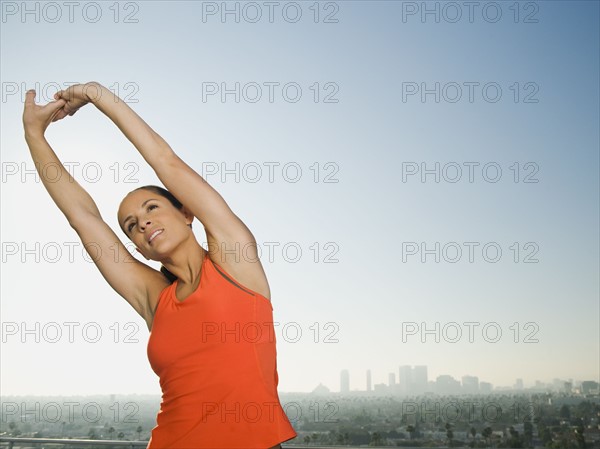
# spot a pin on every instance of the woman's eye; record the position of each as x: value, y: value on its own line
x: 132, y: 224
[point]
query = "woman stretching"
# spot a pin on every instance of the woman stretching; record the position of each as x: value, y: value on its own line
x: 209, y: 313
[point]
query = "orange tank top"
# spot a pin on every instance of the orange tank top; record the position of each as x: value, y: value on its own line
x: 215, y: 356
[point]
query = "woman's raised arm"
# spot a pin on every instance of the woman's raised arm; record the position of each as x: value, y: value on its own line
x: 133, y: 280
x: 68, y: 195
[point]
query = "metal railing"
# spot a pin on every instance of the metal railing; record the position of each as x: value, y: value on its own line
x: 115, y: 443
x: 123, y: 443
x: 65, y: 441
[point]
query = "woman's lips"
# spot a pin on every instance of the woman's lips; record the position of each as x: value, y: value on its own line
x: 154, y: 234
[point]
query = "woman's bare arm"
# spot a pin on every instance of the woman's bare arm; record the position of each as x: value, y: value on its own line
x: 188, y: 186
x: 226, y: 232
x: 133, y: 280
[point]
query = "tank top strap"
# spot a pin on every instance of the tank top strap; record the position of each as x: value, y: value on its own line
x: 216, y: 270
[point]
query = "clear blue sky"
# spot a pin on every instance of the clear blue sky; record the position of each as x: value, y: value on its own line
x: 361, y: 62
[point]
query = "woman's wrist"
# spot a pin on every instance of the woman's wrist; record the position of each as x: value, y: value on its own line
x: 34, y: 135
x: 93, y: 91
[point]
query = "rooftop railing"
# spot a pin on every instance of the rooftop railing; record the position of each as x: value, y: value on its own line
x: 16, y: 442
x: 71, y: 441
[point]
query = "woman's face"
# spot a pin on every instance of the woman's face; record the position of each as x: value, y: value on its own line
x: 153, y: 224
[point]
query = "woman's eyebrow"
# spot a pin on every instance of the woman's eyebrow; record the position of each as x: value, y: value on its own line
x: 130, y: 216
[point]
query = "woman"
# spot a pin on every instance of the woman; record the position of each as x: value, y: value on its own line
x: 208, y: 312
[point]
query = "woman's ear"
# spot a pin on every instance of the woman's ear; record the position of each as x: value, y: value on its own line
x: 189, y: 216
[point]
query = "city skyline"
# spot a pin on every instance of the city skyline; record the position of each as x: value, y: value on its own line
x: 473, y: 383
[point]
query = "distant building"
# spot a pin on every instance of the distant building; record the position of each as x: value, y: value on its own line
x: 369, y: 380
x: 405, y: 379
x: 413, y: 380
x: 519, y: 384
x: 321, y: 389
x: 485, y: 387
x: 419, y: 376
x: 446, y: 384
x: 344, y: 381
x: 470, y: 384
x: 381, y: 388
x: 590, y: 387
x: 392, y: 380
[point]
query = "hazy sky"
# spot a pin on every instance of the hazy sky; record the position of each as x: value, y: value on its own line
x: 348, y: 104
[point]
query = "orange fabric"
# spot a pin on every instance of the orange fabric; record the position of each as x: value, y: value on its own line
x: 215, y: 355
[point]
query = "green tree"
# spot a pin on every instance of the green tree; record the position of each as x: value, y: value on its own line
x: 139, y: 432
x: 343, y: 438
x: 544, y: 434
x: 449, y: 433
x: 579, y: 437
x: 565, y: 412
x: 515, y: 439
x: 473, y: 432
x: 376, y: 439
x: 487, y: 433
x: 527, y: 433
x: 411, y: 431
